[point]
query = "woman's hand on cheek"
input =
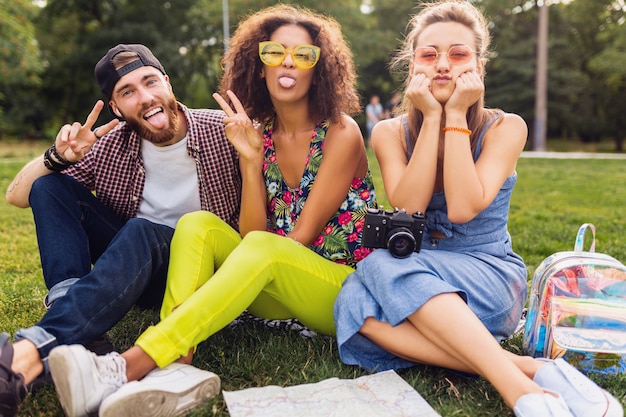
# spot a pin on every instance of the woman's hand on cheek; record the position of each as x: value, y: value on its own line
x: 469, y: 87
x: 420, y: 94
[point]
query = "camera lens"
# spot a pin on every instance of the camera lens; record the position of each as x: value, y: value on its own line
x: 401, y: 242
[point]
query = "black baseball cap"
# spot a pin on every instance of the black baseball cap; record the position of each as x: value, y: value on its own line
x: 106, y: 74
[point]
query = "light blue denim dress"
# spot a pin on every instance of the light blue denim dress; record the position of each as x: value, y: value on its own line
x: 475, y: 260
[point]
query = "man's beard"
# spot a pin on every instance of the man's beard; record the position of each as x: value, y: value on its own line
x: 162, y: 136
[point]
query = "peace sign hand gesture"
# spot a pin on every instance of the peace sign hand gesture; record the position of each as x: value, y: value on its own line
x: 75, y: 140
x: 240, y: 130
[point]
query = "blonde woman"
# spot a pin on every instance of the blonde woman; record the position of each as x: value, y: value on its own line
x: 451, y: 304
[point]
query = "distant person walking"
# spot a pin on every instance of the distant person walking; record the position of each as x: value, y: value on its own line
x: 374, y: 112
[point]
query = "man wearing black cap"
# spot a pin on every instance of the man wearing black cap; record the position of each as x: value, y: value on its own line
x: 110, y: 197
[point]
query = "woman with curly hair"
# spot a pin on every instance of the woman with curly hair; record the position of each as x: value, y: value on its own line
x: 287, y: 91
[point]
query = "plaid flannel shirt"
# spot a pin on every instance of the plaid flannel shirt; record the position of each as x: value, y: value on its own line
x: 114, y: 169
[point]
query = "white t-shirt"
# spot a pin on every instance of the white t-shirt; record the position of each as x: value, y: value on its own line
x: 171, y: 188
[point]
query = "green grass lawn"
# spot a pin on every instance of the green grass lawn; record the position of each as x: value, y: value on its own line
x: 552, y: 199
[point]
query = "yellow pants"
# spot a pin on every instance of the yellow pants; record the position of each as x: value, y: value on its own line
x: 215, y: 275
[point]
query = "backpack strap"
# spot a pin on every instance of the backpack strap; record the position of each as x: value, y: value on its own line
x: 580, y: 238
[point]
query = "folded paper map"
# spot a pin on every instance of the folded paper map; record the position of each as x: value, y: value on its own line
x: 382, y: 394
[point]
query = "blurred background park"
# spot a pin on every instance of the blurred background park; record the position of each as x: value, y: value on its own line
x: 48, y: 49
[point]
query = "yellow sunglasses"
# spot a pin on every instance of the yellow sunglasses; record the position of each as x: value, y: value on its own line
x: 304, y: 56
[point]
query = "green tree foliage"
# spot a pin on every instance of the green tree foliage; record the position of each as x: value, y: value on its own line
x: 586, y: 74
x: 390, y: 18
x: 79, y: 32
x: 577, y: 25
x: 510, y: 69
x: 47, y: 55
x: 595, y: 40
x: 611, y: 60
x: 19, y: 52
x: 20, y: 62
x: 610, y: 65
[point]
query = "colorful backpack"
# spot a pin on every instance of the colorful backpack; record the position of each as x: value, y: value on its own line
x: 577, y: 309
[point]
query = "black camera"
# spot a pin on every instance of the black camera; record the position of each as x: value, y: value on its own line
x: 394, y: 230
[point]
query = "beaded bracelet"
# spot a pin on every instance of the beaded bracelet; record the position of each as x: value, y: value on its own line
x: 53, y: 161
x: 457, y: 129
x: 57, y: 155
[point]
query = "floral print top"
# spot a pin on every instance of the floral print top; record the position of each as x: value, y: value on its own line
x: 340, y: 239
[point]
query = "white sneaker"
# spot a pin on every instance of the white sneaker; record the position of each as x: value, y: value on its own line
x: 583, y: 396
x: 541, y: 405
x: 170, y: 391
x: 83, y: 379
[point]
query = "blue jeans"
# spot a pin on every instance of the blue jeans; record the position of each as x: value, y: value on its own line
x: 74, y: 230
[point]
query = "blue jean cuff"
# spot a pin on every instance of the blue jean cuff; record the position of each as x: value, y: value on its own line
x: 58, y: 291
x: 43, y: 340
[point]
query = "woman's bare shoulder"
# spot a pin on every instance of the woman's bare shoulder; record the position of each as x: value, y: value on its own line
x: 388, y: 131
x: 511, y: 130
x: 344, y: 131
x: 512, y: 121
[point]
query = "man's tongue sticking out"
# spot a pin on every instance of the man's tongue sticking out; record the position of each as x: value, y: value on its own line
x: 157, y: 118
